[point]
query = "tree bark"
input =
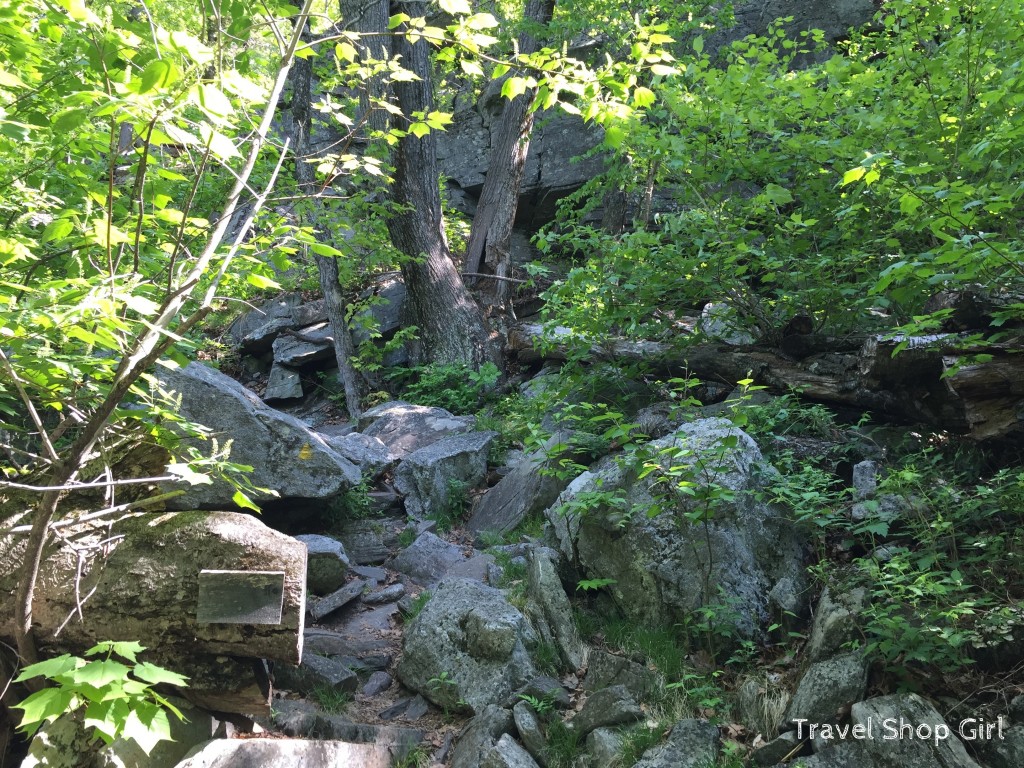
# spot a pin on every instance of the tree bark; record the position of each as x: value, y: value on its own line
x: 326, y: 266
x: 936, y: 381
x: 451, y: 327
x: 491, y: 235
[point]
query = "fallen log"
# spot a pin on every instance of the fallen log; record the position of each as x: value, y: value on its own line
x: 208, y: 593
x: 938, y: 380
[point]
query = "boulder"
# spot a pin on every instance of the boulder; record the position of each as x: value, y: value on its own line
x: 339, y: 598
x: 530, y: 732
x: 315, y: 672
x: 429, y: 477
x: 479, y: 736
x: 256, y: 330
x: 316, y: 344
x: 303, y: 719
x: 327, y: 565
x: 405, y: 428
x: 1005, y: 752
x: 604, y: 746
x: 835, y: 622
x: 287, y: 457
x: 284, y: 383
x: 828, y: 688
x: 368, y: 453
x: 917, y: 746
x: 606, y: 669
x: 527, y: 490
x: 609, y: 706
x: 549, y: 610
x: 387, y: 307
x: 467, y: 648
x: 690, y: 744
x: 688, y: 556
x: 427, y: 559
x: 508, y: 754
x: 295, y: 753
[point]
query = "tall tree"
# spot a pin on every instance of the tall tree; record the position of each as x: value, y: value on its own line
x: 326, y: 266
x: 491, y: 234
x: 451, y: 326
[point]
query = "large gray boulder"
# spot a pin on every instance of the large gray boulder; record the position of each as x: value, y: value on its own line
x: 256, y: 330
x: 480, y: 735
x: 427, y: 559
x: 295, y: 753
x: 924, y: 739
x: 405, y: 428
x: 430, y: 477
x: 731, y: 551
x: 691, y: 744
x: 549, y: 610
x: 828, y: 688
x: 467, y: 648
x: 368, y: 453
x: 286, y: 456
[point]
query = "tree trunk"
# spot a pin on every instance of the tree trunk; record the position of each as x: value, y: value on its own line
x: 451, y: 326
x: 327, y: 267
x: 935, y: 381
x: 491, y: 236
x: 139, y: 579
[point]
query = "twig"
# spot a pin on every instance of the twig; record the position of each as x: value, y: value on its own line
x: 495, y: 277
x: 31, y: 408
x: 81, y: 486
x: 126, y: 507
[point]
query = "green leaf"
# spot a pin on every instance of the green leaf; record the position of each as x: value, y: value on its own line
x: 260, y: 281
x: 854, y: 174
x: 642, y: 97
x: 147, y: 725
x: 456, y: 7
x: 397, y: 20
x: 128, y: 649
x: 213, y: 101
x: 157, y: 675
x: 57, y: 229
x: 99, y: 673
x: 347, y: 51
x: 244, y: 502
x: 42, y: 706
x: 160, y: 73
x: 514, y: 86
x: 49, y: 668
x: 698, y: 44
x: 419, y: 130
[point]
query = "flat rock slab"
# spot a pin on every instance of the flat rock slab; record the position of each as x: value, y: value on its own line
x: 327, y: 642
x: 337, y: 599
x: 405, y: 428
x: 294, y: 753
x: 284, y: 383
x: 387, y: 595
x: 317, y: 343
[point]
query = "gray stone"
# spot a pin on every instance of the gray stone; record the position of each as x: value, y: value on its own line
x: 836, y: 622
x: 317, y: 343
x: 865, y: 480
x: 388, y: 305
x: 508, y: 754
x: 256, y: 330
x: 480, y: 735
x: 549, y: 609
x: 295, y: 753
x: 690, y: 744
x: 604, y: 747
x: 327, y: 642
x: 1005, y: 752
x: 378, y: 683
x: 606, y: 669
x: 609, y: 706
x: 286, y: 456
x: 417, y: 708
x: 784, y: 745
x: 315, y: 671
x: 309, y: 313
x: 387, y: 595
x: 1017, y: 709
x: 284, y: 384
x: 720, y: 322
x: 526, y: 490
x: 546, y: 688
x: 530, y: 732
x: 477, y: 567
x: 326, y: 563
x: 912, y: 710
x: 300, y: 718
x: 368, y: 453
x: 469, y: 635
x: 427, y: 559
x: 369, y: 540
x: 828, y: 688
x: 426, y: 476
x: 405, y: 428
x: 337, y: 599
x: 660, y: 566
x: 846, y: 754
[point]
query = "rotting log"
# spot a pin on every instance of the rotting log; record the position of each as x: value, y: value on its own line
x: 937, y: 380
x: 139, y: 578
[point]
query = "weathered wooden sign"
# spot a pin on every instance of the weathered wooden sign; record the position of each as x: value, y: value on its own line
x: 240, y: 597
